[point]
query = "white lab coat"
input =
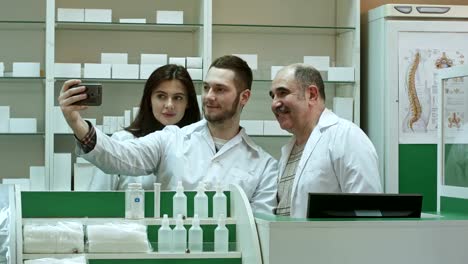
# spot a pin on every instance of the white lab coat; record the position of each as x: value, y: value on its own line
x: 103, y: 181
x: 188, y: 154
x: 338, y: 157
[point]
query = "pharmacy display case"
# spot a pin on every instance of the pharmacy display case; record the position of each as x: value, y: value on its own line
x: 283, y: 33
x: 108, y: 207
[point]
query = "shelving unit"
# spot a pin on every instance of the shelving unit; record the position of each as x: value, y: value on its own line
x: 109, y: 207
x: 281, y: 34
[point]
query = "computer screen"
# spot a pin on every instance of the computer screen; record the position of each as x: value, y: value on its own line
x: 367, y: 205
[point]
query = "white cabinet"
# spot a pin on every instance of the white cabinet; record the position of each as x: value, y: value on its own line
x: 280, y: 33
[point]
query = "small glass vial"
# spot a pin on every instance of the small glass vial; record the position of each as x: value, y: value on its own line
x: 165, y: 236
x: 219, y: 203
x: 200, y: 203
x: 179, y: 236
x: 195, y: 236
x: 179, y: 201
x: 134, y: 201
x: 221, y: 236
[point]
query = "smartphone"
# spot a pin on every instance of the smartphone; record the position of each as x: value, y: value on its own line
x: 94, y: 92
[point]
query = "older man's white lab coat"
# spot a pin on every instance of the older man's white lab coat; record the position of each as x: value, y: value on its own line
x: 338, y: 157
x: 188, y: 154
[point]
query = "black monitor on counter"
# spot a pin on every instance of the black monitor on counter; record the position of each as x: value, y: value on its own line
x: 364, y: 205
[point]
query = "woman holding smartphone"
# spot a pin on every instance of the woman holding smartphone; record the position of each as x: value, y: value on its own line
x: 169, y: 98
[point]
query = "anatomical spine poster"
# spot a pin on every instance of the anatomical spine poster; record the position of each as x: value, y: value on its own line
x: 420, y: 54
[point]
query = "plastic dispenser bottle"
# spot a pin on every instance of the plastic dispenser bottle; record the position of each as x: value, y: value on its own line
x: 219, y: 203
x: 200, y: 202
x: 221, y: 236
x: 195, y: 236
x: 179, y: 201
x: 134, y: 201
x: 179, y: 236
x: 165, y: 236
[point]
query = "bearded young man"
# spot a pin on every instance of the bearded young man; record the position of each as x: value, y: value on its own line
x: 215, y: 150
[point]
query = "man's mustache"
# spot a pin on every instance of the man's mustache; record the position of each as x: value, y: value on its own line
x: 281, y: 110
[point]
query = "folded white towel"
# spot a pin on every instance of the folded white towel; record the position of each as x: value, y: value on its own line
x: 121, y: 237
x: 62, y: 237
x: 74, y: 260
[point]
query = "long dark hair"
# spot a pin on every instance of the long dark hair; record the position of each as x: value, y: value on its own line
x: 145, y: 122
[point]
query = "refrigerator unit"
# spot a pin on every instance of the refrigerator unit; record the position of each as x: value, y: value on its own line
x: 407, y: 45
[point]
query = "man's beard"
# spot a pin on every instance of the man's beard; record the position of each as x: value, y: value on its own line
x: 220, y: 118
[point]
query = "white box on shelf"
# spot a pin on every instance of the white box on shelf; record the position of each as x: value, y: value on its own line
x: 194, y: 62
x: 71, y: 14
x: 125, y: 71
x: 275, y: 70
x: 136, y: 109
x: 4, y: 119
x: 343, y: 107
x: 169, y: 17
x: 23, y: 183
x: 106, y: 124
x: 114, y: 126
x: 97, y: 70
x: 26, y: 69
x: 37, y: 178
x: 120, y: 123
x: 2, y: 69
x: 321, y: 63
x: 114, y: 58
x: 160, y: 59
x: 272, y: 128
x: 61, y: 180
x: 251, y: 59
x: 83, y: 175
x: 196, y: 74
x: 132, y: 20
x: 98, y: 15
x: 127, y: 118
x: 253, y: 127
x: 67, y: 70
x: 60, y: 124
x: 23, y: 125
x: 147, y: 69
x: 341, y: 74
x: 177, y: 60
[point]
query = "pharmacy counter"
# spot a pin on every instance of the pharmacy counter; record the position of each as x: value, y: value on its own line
x: 433, y: 239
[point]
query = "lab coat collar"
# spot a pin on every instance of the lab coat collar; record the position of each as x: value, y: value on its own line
x: 202, y: 126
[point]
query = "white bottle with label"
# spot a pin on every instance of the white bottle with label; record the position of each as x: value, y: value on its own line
x: 200, y: 202
x: 221, y: 236
x: 165, y: 236
x: 219, y: 203
x: 134, y: 201
x: 195, y: 236
x: 179, y: 236
x: 179, y: 201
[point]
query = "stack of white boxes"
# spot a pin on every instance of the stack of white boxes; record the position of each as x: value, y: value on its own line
x: 133, y: 20
x: 150, y: 62
x: 195, y: 67
x: 26, y: 69
x: 23, y: 183
x: 37, y: 178
x: 119, y: 66
x: 84, y: 15
x: 342, y: 106
x: 67, y: 70
x: 16, y: 125
x: 2, y: 69
x: 169, y: 17
x: 62, y: 172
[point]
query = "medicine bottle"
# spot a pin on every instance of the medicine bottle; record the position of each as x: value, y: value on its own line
x: 134, y: 201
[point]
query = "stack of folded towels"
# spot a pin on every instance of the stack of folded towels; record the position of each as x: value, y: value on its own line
x: 74, y: 260
x: 117, y: 237
x: 62, y: 237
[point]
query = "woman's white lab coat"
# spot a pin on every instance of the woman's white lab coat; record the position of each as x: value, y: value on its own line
x: 338, y: 157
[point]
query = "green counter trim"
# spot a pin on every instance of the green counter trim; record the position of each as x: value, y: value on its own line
x: 454, y: 205
x: 100, y: 204
x: 418, y: 172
